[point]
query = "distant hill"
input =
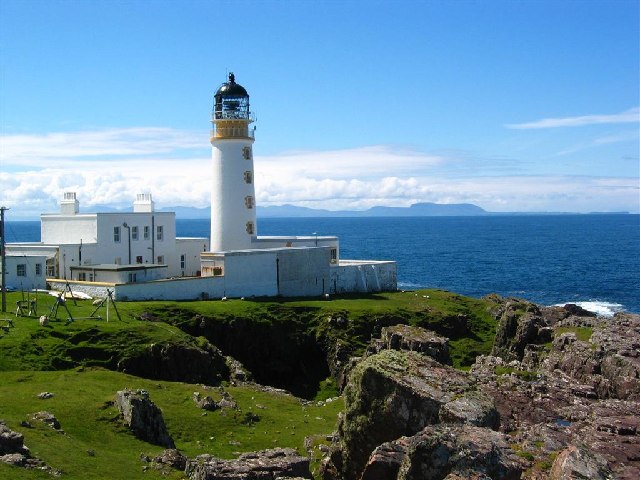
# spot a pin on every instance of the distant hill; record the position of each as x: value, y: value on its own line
x: 424, y: 209
x: 415, y: 210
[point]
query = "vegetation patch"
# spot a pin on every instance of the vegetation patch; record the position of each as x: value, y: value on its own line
x: 582, y: 333
x: 83, y: 403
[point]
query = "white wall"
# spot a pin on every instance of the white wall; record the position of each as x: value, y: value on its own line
x: 363, y: 276
x: 149, y: 249
x: 297, y: 241
x: 229, y: 214
x: 304, y: 271
x: 188, y: 288
x: 57, y: 229
x: 31, y: 279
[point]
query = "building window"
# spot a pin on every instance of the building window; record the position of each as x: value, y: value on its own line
x: 161, y: 259
x: 250, y: 228
x: 334, y: 255
x: 134, y: 233
x: 183, y: 261
x: 147, y: 232
x: 21, y: 270
x: 248, y: 177
x: 82, y: 276
x: 116, y: 234
x: 159, y: 232
x: 248, y: 201
x: 246, y: 153
x: 132, y: 277
x: 139, y: 259
x: 38, y: 269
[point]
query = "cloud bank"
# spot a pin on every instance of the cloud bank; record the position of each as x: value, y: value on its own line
x: 110, y: 167
x: 629, y: 116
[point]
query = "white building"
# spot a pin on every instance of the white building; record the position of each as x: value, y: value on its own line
x: 138, y: 256
x: 113, y: 248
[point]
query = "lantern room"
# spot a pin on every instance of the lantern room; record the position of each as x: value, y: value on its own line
x: 231, y: 116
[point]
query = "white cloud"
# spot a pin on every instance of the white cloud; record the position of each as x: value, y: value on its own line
x: 629, y: 116
x: 40, y: 150
x: 177, y: 171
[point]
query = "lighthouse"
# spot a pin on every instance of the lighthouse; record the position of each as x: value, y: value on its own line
x: 233, y: 205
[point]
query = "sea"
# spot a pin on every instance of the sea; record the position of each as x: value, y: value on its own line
x: 589, y: 260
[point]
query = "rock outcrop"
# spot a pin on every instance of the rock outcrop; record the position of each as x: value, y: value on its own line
x: 520, y: 323
x: 14, y: 452
x: 445, y: 451
x: 263, y: 465
x: 574, y: 399
x: 414, y: 339
x: 143, y: 417
x: 393, y: 394
x: 176, y: 362
x: 558, y: 399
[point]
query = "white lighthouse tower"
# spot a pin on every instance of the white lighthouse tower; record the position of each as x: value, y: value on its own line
x: 233, y: 205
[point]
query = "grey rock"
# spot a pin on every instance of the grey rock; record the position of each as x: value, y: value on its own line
x: 143, y: 417
x: 11, y: 441
x: 263, y: 465
x: 48, y: 418
x: 393, y: 394
x: 172, y: 458
x: 206, y: 403
x: 462, y: 451
x: 415, y: 339
x: 578, y: 463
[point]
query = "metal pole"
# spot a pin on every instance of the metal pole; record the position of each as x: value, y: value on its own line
x: 128, y: 227
x: 3, y: 286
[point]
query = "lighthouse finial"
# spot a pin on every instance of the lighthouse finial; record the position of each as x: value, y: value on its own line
x: 232, y: 77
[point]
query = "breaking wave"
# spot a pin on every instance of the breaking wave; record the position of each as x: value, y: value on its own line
x: 602, y: 309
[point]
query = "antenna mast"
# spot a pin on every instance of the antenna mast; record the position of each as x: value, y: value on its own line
x: 3, y: 285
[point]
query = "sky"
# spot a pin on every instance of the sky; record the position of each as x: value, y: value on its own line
x: 527, y: 105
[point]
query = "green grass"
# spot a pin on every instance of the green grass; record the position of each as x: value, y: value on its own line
x: 280, y: 338
x: 82, y: 404
x: 525, y: 375
x: 582, y: 333
x: 465, y: 321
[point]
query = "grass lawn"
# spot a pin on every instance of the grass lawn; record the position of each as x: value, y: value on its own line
x: 95, y: 442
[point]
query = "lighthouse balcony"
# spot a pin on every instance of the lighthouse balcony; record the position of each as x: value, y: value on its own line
x: 231, y: 129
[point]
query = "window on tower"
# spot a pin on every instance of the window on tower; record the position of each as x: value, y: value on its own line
x: 248, y: 201
x: 250, y: 228
x: 246, y: 153
x: 248, y: 177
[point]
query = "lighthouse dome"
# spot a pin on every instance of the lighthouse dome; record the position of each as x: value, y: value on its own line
x: 231, y: 88
x: 231, y: 101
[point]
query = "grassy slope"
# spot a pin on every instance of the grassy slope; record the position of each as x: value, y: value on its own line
x: 81, y: 404
x: 432, y: 309
x: 29, y: 354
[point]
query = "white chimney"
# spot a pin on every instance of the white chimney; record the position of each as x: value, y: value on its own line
x: 143, y: 203
x: 69, y: 204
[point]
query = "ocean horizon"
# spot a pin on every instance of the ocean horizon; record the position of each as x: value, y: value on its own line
x: 589, y: 260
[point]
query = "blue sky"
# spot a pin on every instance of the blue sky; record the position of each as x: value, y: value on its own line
x: 511, y: 105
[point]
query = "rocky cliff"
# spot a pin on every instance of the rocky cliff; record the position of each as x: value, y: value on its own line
x: 557, y: 399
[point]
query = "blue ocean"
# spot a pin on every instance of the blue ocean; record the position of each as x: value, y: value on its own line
x: 592, y: 260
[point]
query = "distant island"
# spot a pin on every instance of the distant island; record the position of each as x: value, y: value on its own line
x: 423, y: 209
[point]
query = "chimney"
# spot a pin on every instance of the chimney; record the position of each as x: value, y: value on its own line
x: 143, y: 203
x: 69, y: 204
